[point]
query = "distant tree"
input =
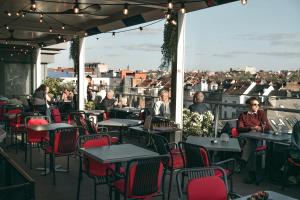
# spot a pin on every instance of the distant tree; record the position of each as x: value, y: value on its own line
x: 169, y: 47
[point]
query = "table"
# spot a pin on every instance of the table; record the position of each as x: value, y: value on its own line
x: 272, y: 196
x: 121, y: 124
x: 231, y: 146
x: 283, y: 137
x: 51, y: 128
x: 127, y: 109
x: 117, y: 153
x: 124, y: 112
x: 94, y: 112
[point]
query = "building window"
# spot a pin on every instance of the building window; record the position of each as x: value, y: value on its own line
x: 225, y: 114
x: 233, y: 114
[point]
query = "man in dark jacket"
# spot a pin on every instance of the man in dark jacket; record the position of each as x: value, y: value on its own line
x: 108, y: 102
x: 198, y: 105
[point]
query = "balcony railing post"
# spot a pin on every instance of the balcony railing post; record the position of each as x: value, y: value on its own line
x: 217, y: 119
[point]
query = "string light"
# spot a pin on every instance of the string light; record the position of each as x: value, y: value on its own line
x: 23, y: 14
x: 59, y: 36
x: 50, y: 30
x: 173, y: 21
x: 114, y: 34
x: 170, y: 4
x: 41, y: 15
x: 97, y: 38
x: 8, y: 13
x: 125, y: 10
x: 63, y: 27
x: 33, y: 5
x: 27, y: 43
x: 41, y: 20
x: 18, y: 13
x: 141, y: 28
x: 6, y: 27
x: 6, y: 42
x: 85, y: 34
x: 76, y: 7
x: 168, y: 15
x: 182, y: 9
x: 243, y: 2
x: 65, y: 40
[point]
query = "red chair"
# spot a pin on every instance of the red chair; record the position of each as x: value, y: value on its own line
x: 11, y: 122
x: 35, y: 138
x: 208, y: 183
x: 144, y: 179
x: 2, y: 109
x: 105, y: 116
x: 89, y: 166
x: 57, y: 116
x: 65, y: 140
x: 176, y: 161
x: 196, y: 156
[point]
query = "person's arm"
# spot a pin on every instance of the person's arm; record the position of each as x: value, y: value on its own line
x: 264, y: 118
x: 156, y: 108
x: 242, y: 128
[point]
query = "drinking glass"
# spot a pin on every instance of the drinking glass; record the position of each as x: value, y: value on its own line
x: 263, y: 126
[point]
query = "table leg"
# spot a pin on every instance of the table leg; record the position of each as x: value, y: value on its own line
x: 121, y: 135
x: 117, y: 194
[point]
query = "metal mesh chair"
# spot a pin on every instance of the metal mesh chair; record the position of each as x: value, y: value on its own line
x: 203, y: 183
x: 144, y: 179
x: 176, y: 161
x: 197, y: 156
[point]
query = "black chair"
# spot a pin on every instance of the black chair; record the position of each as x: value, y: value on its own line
x: 65, y: 141
x: 196, y: 156
x: 203, y: 183
x: 144, y: 178
x: 176, y: 161
x: 293, y: 155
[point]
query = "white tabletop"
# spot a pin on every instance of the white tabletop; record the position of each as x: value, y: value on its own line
x: 120, y: 122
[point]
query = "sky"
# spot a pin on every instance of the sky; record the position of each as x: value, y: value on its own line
x: 264, y: 34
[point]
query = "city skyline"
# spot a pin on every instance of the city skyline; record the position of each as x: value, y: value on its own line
x: 263, y: 34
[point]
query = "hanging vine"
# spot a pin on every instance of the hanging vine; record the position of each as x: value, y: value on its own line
x: 169, y: 47
x: 74, y: 54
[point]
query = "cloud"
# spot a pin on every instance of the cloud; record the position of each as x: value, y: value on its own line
x: 142, y: 47
x: 274, y: 39
x: 272, y: 54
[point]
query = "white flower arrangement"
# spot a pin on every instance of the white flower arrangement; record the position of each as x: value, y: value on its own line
x: 197, y: 124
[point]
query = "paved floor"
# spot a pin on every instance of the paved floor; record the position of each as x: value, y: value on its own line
x: 66, y: 186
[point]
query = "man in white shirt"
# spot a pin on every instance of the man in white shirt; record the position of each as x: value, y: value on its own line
x: 162, y: 107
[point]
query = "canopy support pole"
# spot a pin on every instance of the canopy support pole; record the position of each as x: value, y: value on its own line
x: 81, y: 74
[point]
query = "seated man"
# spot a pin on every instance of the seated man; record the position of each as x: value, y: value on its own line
x: 254, y: 120
x: 108, y: 102
x: 162, y: 107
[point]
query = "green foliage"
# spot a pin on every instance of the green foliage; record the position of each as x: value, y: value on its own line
x: 54, y: 86
x: 74, y: 54
x: 90, y: 105
x: 169, y: 47
x: 197, y: 124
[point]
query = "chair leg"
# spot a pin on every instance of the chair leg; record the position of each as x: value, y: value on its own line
x: 79, y: 182
x: 45, y: 164
x: 95, y: 189
x: 110, y: 192
x: 25, y: 156
x: 30, y: 156
x: 284, y: 174
x: 54, y: 180
x: 68, y: 163
x: 170, y: 184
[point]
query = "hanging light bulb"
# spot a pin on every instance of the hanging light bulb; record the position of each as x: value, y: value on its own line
x: 41, y: 15
x: 59, y: 36
x: 63, y: 27
x: 243, y: 2
x: 6, y: 42
x: 27, y: 43
x: 168, y: 15
x: 23, y: 14
x: 50, y: 29
x: 141, y: 28
x: 97, y: 38
x: 65, y: 40
x: 173, y: 21
x: 76, y: 7
x: 6, y: 27
x: 125, y: 10
x: 85, y: 34
x: 33, y: 5
x: 41, y: 20
x: 14, y: 47
x: 170, y: 4
x: 113, y: 34
x: 18, y: 13
x: 8, y: 13
x: 182, y: 8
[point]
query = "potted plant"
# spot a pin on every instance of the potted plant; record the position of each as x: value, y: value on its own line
x: 197, y: 124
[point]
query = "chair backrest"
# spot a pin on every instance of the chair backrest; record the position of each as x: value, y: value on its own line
x: 91, y: 127
x: 80, y: 121
x: 105, y: 116
x: 203, y: 183
x: 195, y: 155
x: 56, y: 116
x: 36, y: 136
x: 144, y: 177
x: 65, y: 140
x: 91, y: 141
x: 160, y: 144
x: 296, y: 135
x: 15, y: 111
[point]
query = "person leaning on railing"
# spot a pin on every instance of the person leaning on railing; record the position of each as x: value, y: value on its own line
x: 198, y: 105
x: 254, y: 120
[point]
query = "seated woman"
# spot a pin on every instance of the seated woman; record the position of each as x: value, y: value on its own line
x: 67, y: 96
x: 198, y: 105
x: 254, y: 120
